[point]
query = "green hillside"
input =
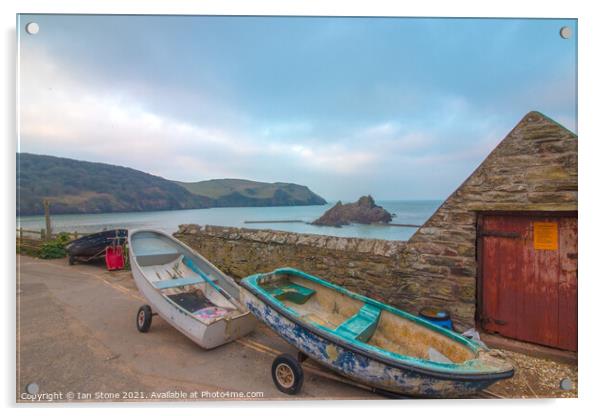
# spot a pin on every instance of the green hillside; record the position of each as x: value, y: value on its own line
x: 74, y: 186
x: 243, y: 193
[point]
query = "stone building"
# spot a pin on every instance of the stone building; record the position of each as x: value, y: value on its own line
x: 530, y: 178
x: 499, y: 254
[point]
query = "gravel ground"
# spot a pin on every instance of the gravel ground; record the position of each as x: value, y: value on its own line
x: 536, y: 378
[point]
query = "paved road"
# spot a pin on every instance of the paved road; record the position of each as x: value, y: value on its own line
x: 76, y: 333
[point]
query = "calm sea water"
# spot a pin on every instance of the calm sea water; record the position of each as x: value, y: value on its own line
x: 407, y: 212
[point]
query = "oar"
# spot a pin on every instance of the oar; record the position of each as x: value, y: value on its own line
x: 225, y: 294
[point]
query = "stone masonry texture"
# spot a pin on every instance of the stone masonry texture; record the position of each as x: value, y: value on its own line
x: 533, y: 169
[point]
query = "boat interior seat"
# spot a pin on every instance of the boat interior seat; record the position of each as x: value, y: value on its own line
x: 292, y: 292
x: 173, y: 283
x: 362, y: 325
x: 156, y: 258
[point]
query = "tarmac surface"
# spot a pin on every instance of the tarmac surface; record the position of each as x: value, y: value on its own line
x: 76, y: 333
x: 77, y: 341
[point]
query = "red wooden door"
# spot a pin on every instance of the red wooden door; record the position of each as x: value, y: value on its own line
x: 528, y: 277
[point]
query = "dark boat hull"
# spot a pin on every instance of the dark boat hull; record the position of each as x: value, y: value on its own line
x: 93, y: 245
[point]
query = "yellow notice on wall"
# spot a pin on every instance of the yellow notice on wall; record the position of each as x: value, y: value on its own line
x: 545, y: 235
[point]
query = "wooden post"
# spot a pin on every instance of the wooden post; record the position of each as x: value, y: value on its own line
x: 20, y: 233
x: 42, y: 234
x: 47, y: 215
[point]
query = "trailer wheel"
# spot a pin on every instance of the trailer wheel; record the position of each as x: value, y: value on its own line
x: 71, y: 260
x: 287, y: 374
x: 144, y: 318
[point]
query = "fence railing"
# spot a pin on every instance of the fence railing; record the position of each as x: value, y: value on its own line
x: 22, y: 232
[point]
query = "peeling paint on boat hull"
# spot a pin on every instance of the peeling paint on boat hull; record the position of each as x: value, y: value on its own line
x: 357, y: 366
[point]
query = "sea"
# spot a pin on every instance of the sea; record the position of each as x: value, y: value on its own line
x: 414, y: 212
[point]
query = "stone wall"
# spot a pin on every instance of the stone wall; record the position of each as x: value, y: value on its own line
x: 365, y: 266
x: 533, y: 169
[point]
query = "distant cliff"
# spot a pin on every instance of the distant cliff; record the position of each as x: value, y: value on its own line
x: 363, y: 211
x: 245, y: 193
x: 74, y: 186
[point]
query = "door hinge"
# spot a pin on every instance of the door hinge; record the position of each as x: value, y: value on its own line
x: 502, y: 234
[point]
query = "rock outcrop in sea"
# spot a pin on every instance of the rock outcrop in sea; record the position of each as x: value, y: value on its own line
x: 363, y: 211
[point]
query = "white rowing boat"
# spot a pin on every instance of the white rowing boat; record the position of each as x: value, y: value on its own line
x: 186, y: 290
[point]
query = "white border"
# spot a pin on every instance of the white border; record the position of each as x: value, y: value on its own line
x: 590, y: 290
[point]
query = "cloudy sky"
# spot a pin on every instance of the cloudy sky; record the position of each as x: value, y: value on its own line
x: 398, y: 108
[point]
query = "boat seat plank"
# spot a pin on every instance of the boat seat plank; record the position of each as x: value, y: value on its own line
x: 292, y: 292
x: 172, y: 283
x: 362, y: 325
x: 155, y: 252
x: 156, y: 258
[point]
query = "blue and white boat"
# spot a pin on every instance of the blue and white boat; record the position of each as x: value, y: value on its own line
x: 365, y: 340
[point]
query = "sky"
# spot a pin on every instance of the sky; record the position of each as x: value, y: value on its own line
x: 399, y: 108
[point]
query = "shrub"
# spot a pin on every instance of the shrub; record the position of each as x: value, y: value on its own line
x: 55, y: 249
